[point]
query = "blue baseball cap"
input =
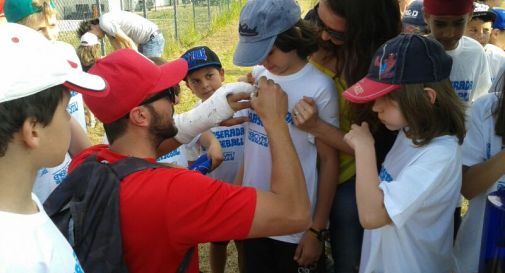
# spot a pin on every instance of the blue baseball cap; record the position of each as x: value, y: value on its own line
x: 499, y: 22
x: 405, y: 59
x: 413, y: 19
x: 200, y: 57
x: 260, y: 23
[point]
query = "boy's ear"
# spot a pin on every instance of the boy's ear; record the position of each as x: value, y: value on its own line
x: 221, y: 74
x: 30, y: 133
x: 431, y: 94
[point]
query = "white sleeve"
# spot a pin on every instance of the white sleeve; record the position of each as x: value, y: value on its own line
x: 108, y: 25
x: 327, y: 104
x: 474, y: 146
x: 483, y: 82
x: 405, y: 195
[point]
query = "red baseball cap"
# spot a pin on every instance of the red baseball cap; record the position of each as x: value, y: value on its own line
x: 132, y: 78
x: 448, y: 7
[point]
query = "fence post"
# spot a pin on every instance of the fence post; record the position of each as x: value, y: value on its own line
x: 208, y: 12
x: 175, y: 20
x: 99, y: 13
x: 194, y: 14
x: 144, y: 8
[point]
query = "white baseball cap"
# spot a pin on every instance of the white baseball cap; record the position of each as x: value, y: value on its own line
x: 31, y: 64
x: 89, y: 39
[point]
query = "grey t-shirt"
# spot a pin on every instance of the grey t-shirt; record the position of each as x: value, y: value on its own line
x: 135, y: 26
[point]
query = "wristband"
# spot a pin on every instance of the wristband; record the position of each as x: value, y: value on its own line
x: 321, y: 235
x: 209, y: 113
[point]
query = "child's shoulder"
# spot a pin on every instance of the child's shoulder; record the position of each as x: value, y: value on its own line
x: 469, y: 45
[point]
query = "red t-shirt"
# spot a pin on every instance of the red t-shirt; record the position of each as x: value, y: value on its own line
x: 2, y: 8
x: 165, y: 212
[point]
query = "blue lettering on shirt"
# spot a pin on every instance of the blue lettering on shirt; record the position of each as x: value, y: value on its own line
x: 463, y: 89
x: 384, y: 175
x: 254, y: 118
x: 227, y: 143
x: 60, y: 175
x: 43, y: 171
x: 229, y: 156
x: 169, y: 155
x: 77, y: 267
x: 73, y: 93
x: 258, y: 138
x: 72, y: 107
x: 226, y: 133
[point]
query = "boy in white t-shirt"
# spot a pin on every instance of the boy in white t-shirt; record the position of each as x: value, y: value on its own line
x: 483, y: 172
x: 205, y: 76
x: 407, y: 208
x: 41, y: 16
x: 480, y: 28
x: 447, y: 20
x: 35, y: 133
x: 272, y: 34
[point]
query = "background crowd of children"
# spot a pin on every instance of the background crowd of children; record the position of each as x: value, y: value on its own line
x: 395, y: 109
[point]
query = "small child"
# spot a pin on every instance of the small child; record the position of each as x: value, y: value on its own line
x: 480, y: 28
x: 88, y: 50
x: 34, y: 93
x: 273, y: 35
x: 407, y: 208
x: 41, y: 15
x: 483, y: 172
x: 447, y: 20
x: 498, y: 33
x: 205, y: 76
x: 413, y: 19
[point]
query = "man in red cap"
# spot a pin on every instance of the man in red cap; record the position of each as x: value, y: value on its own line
x: 2, y: 15
x: 166, y: 211
x: 447, y: 20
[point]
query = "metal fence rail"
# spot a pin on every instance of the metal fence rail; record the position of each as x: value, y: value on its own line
x: 176, y: 18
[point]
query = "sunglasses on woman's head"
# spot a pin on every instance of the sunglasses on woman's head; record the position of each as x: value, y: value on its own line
x: 337, y: 35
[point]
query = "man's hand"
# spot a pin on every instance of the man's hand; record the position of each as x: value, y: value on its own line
x: 270, y: 102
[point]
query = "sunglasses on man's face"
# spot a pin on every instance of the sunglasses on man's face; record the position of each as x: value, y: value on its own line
x: 168, y: 94
x: 337, y: 35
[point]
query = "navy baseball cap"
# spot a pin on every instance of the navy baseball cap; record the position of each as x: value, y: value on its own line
x: 260, y: 23
x: 413, y: 20
x: 200, y: 57
x: 405, y: 59
x: 484, y: 12
x: 499, y: 23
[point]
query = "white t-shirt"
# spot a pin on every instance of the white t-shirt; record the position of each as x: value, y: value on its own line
x: 232, y: 145
x: 481, y: 143
x: 470, y: 75
x: 138, y: 28
x: 308, y: 82
x: 49, y: 178
x: 495, y: 59
x: 176, y: 157
x: 421, y: 187
x: 32, y: 243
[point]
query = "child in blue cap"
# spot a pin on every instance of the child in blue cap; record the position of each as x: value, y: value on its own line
x: 407, y: 208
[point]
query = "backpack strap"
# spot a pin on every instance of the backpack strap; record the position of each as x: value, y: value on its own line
x: 124, y: 167
x: 185, y: 261
x: 130, y: 165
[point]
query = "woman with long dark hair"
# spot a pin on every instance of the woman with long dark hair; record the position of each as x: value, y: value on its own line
x: 351, y: 32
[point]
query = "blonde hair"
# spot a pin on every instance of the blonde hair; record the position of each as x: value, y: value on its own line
x: 88, y: 55
x: 46, y: 13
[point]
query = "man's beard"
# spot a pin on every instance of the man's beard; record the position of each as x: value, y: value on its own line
x: 160, y: 128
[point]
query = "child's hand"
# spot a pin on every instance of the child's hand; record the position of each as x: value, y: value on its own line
x: 359, y: 136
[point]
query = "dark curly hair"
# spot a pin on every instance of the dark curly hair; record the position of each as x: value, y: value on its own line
x: 302, y: 37
x: 85, y: 26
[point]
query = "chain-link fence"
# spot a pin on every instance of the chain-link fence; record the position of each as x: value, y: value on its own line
x: 176, y: 18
